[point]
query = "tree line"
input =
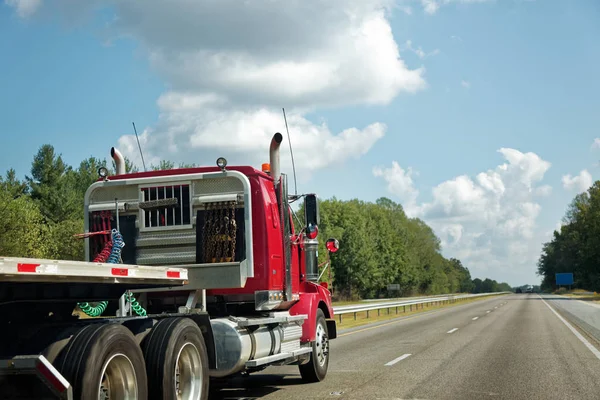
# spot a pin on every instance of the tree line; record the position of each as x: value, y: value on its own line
x: 379, y: 243
x: 575, y: 247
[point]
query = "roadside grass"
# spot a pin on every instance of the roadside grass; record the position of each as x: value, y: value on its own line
x: 348, y: 320
x: 579, y: 294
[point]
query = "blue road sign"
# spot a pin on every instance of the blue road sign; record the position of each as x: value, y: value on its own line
x: 564, y: 278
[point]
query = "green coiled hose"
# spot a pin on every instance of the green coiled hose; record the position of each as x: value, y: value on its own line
x: 112, y: 257
x: 137, y: 307
x: 92, y: 311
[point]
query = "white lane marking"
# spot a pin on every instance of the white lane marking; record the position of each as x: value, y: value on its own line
x: 452, y: 330
x: 475, y: 318
x: 488, y: 311
x: 395, y: 360
x: 579, y: 336
x: 495, y: 308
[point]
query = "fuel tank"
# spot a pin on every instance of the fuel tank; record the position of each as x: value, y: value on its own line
x: 235, y: 345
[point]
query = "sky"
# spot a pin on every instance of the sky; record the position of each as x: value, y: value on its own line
x: 479, y: 116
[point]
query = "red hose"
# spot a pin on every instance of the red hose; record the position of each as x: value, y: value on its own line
x: 105, y: 253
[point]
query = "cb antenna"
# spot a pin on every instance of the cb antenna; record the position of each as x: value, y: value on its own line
x: 139, y: 146
x: 291, y: 152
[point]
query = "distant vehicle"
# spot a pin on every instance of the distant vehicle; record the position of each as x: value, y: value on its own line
x: 529, y: 289
x: 519, y: 290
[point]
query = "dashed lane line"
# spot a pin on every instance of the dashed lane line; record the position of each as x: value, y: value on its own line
x: 395, y: 360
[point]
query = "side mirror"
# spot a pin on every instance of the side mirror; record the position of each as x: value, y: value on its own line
x: 332, y: 245
x: 311, y: 210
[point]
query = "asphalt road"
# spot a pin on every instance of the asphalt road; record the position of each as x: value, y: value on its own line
x: 508, y: 347
x: 585, y: 314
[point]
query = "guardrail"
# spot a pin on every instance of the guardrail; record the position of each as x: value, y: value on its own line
x: 423, y: 302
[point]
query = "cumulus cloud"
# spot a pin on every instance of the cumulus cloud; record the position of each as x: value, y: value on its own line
x: 465, y: 84
x: 231, y: 66
x: 399, y: 182
x: 579, y: 183
x: 24, y: 8
x: 596, y: 143
x: 488, y: 221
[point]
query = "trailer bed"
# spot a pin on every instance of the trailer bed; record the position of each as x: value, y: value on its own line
x: 28, y: 270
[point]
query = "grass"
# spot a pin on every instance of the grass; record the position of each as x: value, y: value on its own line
x: 348, y: 320
x: 579, y: 294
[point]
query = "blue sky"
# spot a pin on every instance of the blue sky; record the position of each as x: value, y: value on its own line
x: 512, y: 74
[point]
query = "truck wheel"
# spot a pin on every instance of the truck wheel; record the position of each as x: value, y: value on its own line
x: 103, y: 361
x: 176, y: 360
x: 315, y: 369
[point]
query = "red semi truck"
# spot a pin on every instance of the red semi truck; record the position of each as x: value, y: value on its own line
x: 190, y: 274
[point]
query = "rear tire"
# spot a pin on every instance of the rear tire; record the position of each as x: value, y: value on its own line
x: 176, y: 360
x: 315, y: 369
x: 104, y: 361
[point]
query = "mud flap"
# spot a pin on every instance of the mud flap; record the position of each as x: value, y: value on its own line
x: 331, y: 328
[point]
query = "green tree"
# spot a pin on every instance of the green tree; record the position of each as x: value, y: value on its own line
x: 575, y: 248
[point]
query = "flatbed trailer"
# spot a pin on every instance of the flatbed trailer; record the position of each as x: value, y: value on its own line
x: 32, y: 376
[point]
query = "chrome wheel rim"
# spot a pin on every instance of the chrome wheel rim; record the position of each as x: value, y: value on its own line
x: 118, y: 380
x: 188, y: 373
x: 322, y: 343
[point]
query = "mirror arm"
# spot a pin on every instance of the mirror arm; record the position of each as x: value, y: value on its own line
x: 324, y: 269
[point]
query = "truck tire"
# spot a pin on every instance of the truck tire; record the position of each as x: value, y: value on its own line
x: 176, y: 360
x: 315, y: 369
x: 103, y: 360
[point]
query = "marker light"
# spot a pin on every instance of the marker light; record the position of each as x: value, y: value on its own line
x: 102, y: 172
x: 221, y: 162
x: 266, y: 168
x: 312, y: 231
x: 332, y: 245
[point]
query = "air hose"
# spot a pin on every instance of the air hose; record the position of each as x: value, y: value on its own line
x: 111, y: 254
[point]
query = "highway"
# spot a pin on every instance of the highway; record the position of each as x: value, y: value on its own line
x: 507, y: 347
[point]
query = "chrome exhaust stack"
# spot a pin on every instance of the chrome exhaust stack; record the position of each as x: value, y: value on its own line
x: 274, y: 157
x: 119, y: 161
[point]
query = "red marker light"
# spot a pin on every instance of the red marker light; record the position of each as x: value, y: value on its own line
x: 312, y: 231
x: 324, y: 284
x: 332, y: 245
x: 173, y: 274
x: 119, y: 271
x: 27, y: 267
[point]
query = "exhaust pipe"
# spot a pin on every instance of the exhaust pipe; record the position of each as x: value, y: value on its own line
x: 119, y: 160
x: 274, y: 158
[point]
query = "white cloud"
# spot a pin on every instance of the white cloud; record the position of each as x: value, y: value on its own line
x: 195, y: 132
x: 543, y: 191
x: 596, y: 143
x: 406, y: 10
x: 579, y: 183
x: 465, y: 84
x: 230, y: 66
x: 24, y: 8
x: 419, y: 50
x: 399, y: 183
x: 488, y: 221
x: 432, y: 6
